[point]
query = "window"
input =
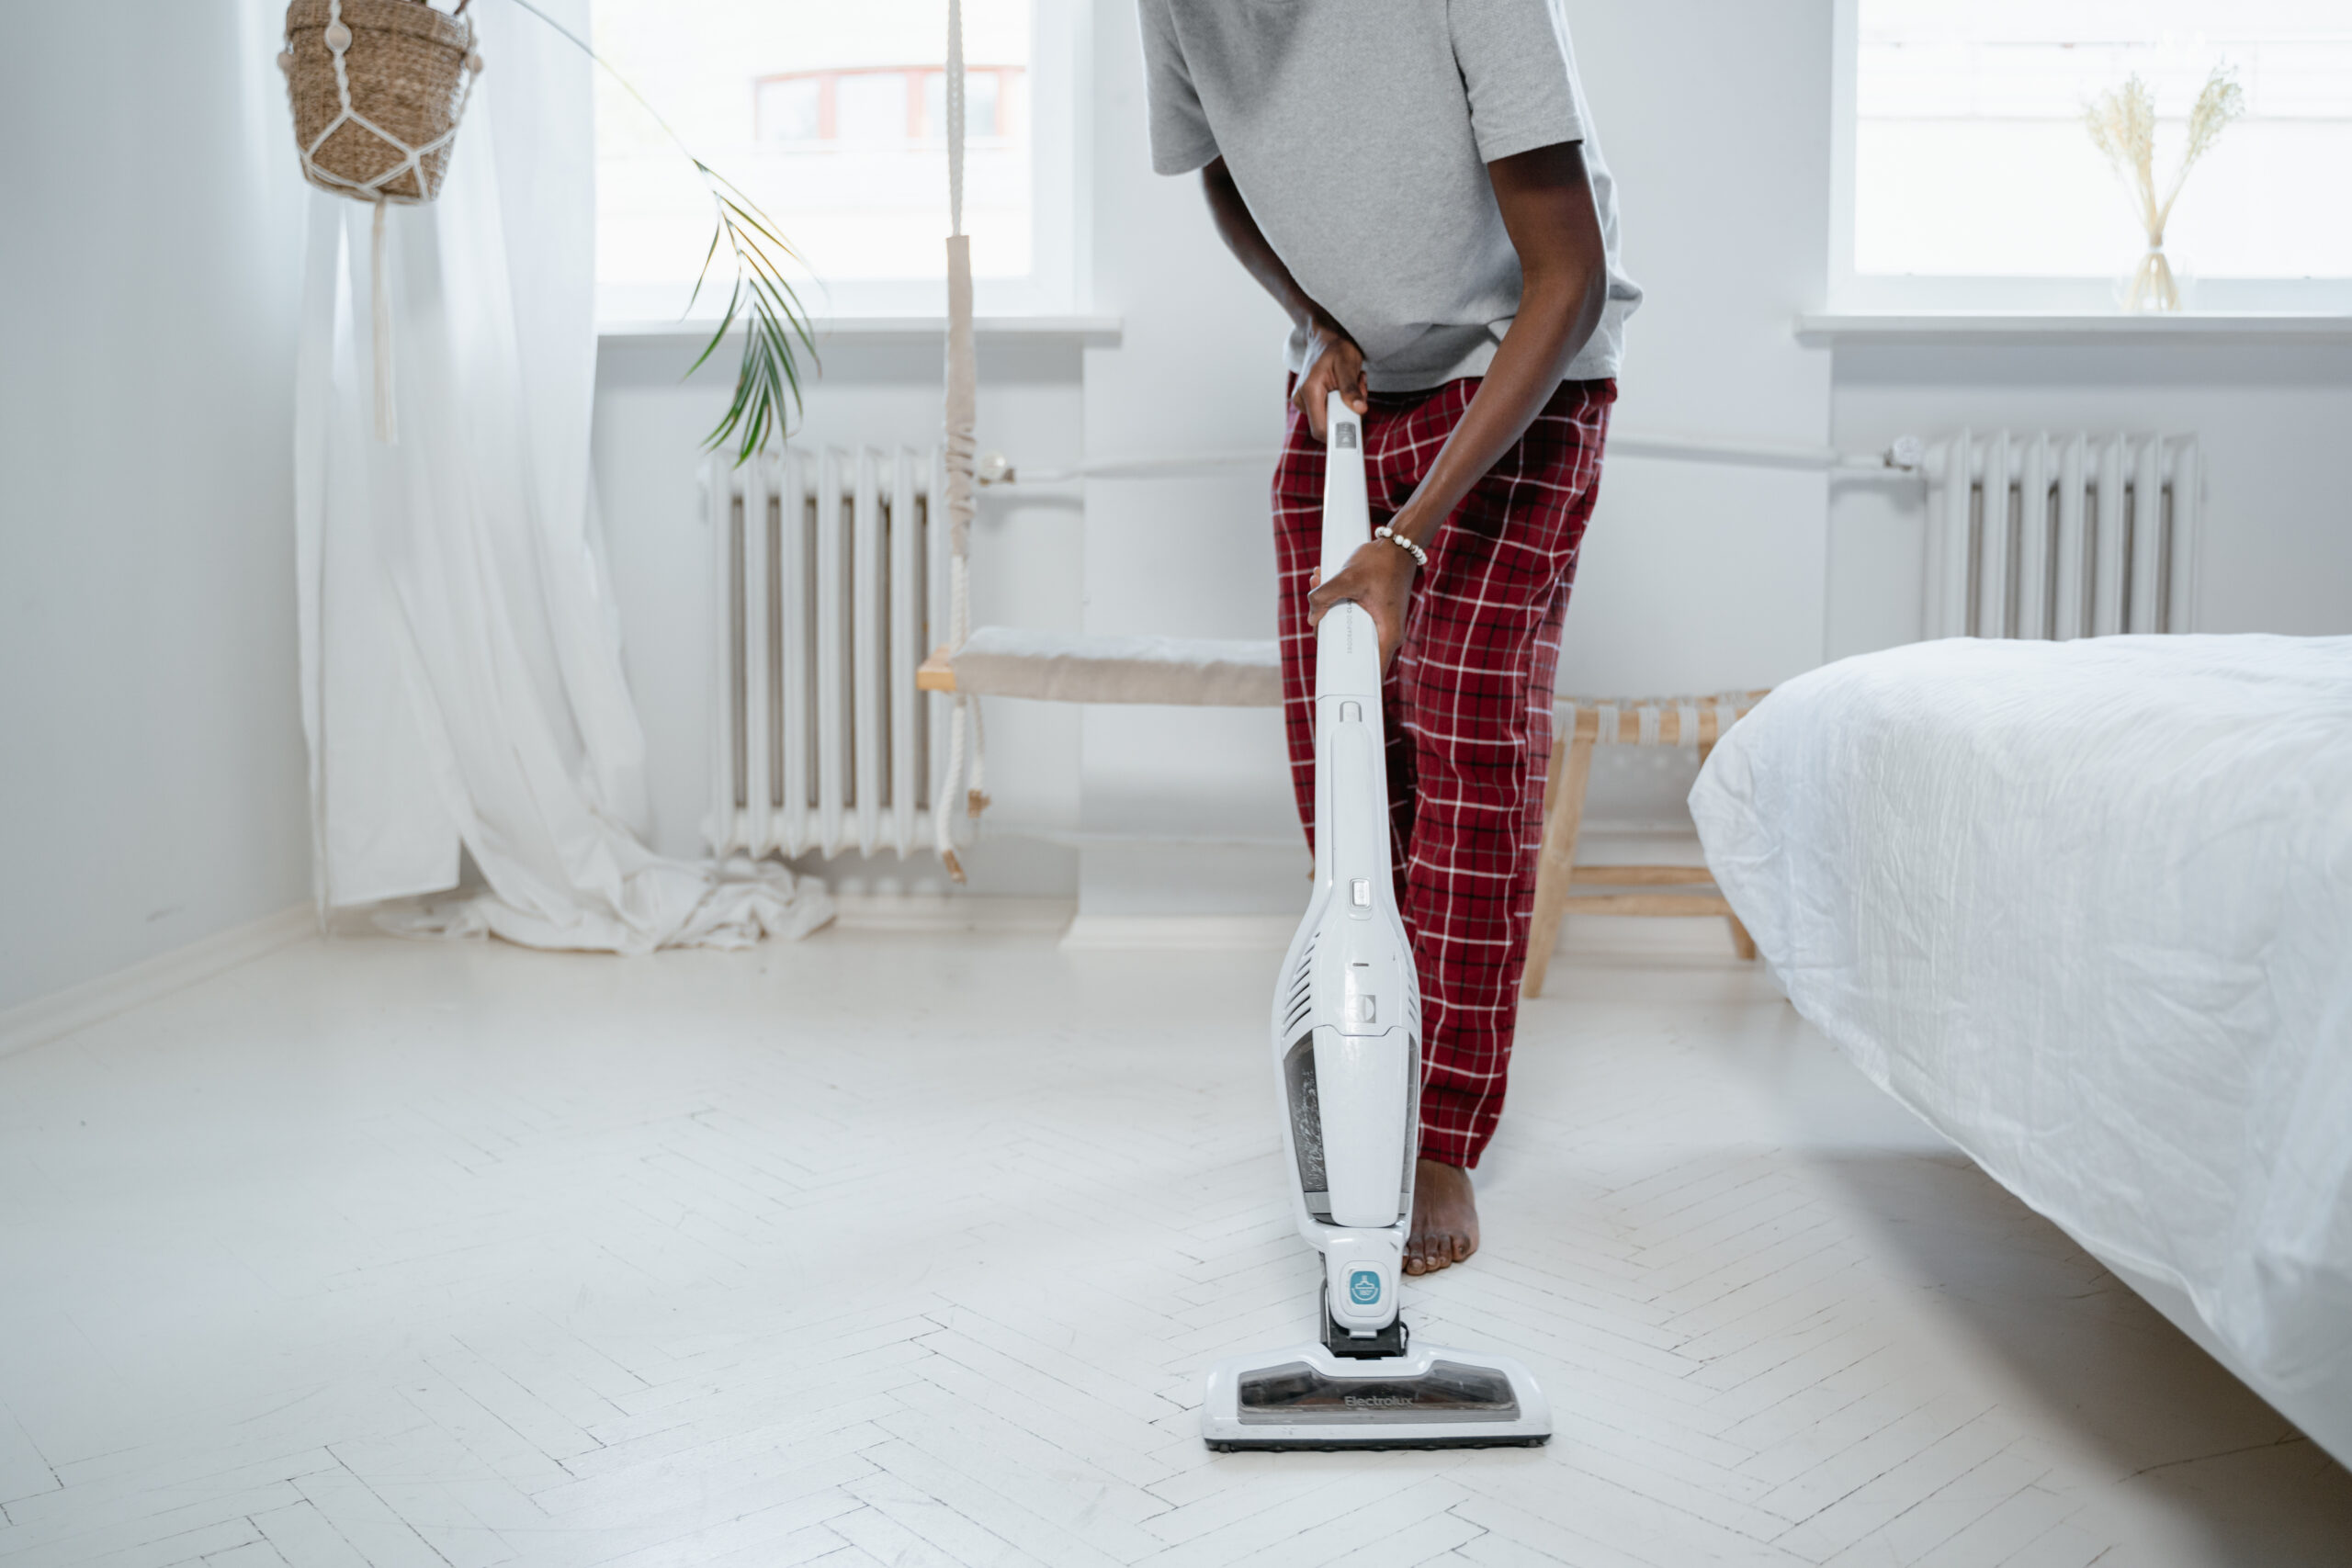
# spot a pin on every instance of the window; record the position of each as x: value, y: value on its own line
x: 833, y: 118
x: 873, y: 107
x: 1966, y: 177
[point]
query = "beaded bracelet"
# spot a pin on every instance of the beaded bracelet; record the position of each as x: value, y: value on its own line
x: 1420, y: 557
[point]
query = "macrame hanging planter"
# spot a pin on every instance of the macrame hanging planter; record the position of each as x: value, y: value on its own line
x: 379, y: 88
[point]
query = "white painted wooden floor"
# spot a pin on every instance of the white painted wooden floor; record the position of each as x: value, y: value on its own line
x: 910, y: 1249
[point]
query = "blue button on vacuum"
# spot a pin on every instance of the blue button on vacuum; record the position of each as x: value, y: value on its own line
x: 1364, y: 1287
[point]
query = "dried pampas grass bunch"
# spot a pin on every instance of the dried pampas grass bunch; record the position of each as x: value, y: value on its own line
x: 2123, y: 126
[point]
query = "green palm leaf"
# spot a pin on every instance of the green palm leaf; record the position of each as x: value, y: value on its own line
x: 767, y: 381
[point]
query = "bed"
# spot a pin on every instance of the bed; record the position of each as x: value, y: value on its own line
x: 2087, y: 907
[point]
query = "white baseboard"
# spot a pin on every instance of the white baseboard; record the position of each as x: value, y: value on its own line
x: 1222, y: 933
x: 60, y: 1013
x: 925, y: 912
x: 929, y: 913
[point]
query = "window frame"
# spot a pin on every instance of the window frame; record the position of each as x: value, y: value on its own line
x: 1859, y: 293
x: 1059, y: 284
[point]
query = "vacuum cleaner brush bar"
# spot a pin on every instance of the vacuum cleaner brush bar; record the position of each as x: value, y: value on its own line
x: 1309, y: 1398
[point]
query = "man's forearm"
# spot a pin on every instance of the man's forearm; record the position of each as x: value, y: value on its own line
x: 1548, y: 204
x: 1247, y: 243
x: 1554, y: 324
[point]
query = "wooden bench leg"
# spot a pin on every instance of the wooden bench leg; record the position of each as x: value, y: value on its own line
x: 1741, y: 942
x: 1555, y: 862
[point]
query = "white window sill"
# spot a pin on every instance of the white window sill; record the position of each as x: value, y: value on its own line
x: 1953, y: 328
x: 1084, y: 332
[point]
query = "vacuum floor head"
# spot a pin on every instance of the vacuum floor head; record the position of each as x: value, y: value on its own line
x: 1304, y: 1397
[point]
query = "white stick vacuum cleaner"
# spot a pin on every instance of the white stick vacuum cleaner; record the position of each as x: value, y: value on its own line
x: 1347, y: 1026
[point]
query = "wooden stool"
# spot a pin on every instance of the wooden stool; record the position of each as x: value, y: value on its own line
x: 1580, y: 724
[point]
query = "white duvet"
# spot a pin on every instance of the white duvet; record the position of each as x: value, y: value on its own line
x: 2087, y: 909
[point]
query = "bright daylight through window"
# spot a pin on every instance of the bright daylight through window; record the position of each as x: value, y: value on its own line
x: 833, y: 118
x: 1972, y: 158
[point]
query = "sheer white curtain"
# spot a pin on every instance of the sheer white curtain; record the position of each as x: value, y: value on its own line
x: 461, y: 674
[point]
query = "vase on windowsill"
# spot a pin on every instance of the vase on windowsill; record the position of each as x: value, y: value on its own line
x: 2155, y: 287
x: 2122, y: 125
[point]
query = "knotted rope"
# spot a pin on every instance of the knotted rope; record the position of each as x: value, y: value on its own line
x: 963, y: 376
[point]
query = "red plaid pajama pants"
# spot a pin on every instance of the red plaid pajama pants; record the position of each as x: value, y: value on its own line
x: 1468, y: 708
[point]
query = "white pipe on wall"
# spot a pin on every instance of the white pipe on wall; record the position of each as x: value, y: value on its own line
x: 1904, y: 457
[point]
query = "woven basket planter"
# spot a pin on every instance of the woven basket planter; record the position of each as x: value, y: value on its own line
x: 379, y: 87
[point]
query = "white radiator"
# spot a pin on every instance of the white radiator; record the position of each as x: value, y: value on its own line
x: 830, y: 584
x: 2062, y: 536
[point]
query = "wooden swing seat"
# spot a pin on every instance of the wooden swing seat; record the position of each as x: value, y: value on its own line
x: 1003, y: 661
x: 1064, y: 667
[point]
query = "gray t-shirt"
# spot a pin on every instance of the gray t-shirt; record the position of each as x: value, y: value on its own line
x: 1358, y: 132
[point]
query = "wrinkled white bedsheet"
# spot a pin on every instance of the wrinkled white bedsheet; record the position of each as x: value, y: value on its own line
x: 2087, y: 909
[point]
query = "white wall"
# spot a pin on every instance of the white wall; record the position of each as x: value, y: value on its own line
x: 152, y: 793
x: 1199, y: 370
x: 1715, y: 114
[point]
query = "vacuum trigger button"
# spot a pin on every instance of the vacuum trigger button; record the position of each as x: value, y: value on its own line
x: 1360, y: 893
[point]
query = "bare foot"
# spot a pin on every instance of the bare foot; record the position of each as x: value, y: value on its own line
x: 1445, y: 1218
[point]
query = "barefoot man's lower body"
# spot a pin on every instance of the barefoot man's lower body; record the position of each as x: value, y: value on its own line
x: 1468, y: 706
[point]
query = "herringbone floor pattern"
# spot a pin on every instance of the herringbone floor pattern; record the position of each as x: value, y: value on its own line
x: 911, y: 1250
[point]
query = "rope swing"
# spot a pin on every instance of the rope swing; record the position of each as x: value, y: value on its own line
x: 962, y: 376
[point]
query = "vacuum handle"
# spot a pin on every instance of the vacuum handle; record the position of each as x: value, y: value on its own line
x: 1347, y: 510
x: 1347, y: 645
